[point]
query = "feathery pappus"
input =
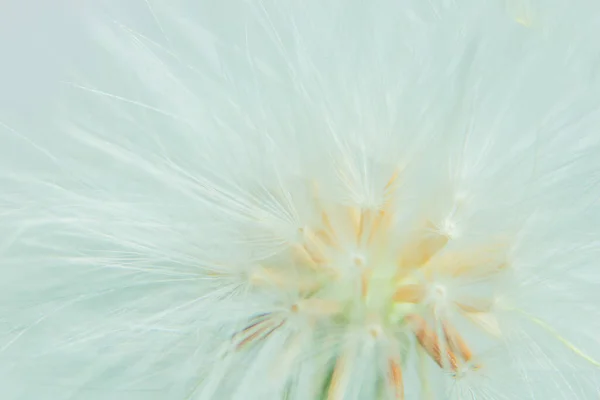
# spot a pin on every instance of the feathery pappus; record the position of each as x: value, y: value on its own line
x: 336, y: 200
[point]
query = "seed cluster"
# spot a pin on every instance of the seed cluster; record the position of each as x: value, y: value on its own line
x: 358, y: 267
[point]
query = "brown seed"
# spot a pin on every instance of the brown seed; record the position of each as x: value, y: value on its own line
x: 396, y: 378
x: 429, y: 340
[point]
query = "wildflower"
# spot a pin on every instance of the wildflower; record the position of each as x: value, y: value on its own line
x: 311, y: 200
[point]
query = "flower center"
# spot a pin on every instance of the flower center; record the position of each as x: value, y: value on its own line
x: 354, y: 266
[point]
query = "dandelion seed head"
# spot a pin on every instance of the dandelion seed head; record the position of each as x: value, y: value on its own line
x: 309, y: 200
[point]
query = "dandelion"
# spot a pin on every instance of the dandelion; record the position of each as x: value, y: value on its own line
x: 309, y: 200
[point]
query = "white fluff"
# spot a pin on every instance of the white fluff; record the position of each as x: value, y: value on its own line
x: 161, y: 225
